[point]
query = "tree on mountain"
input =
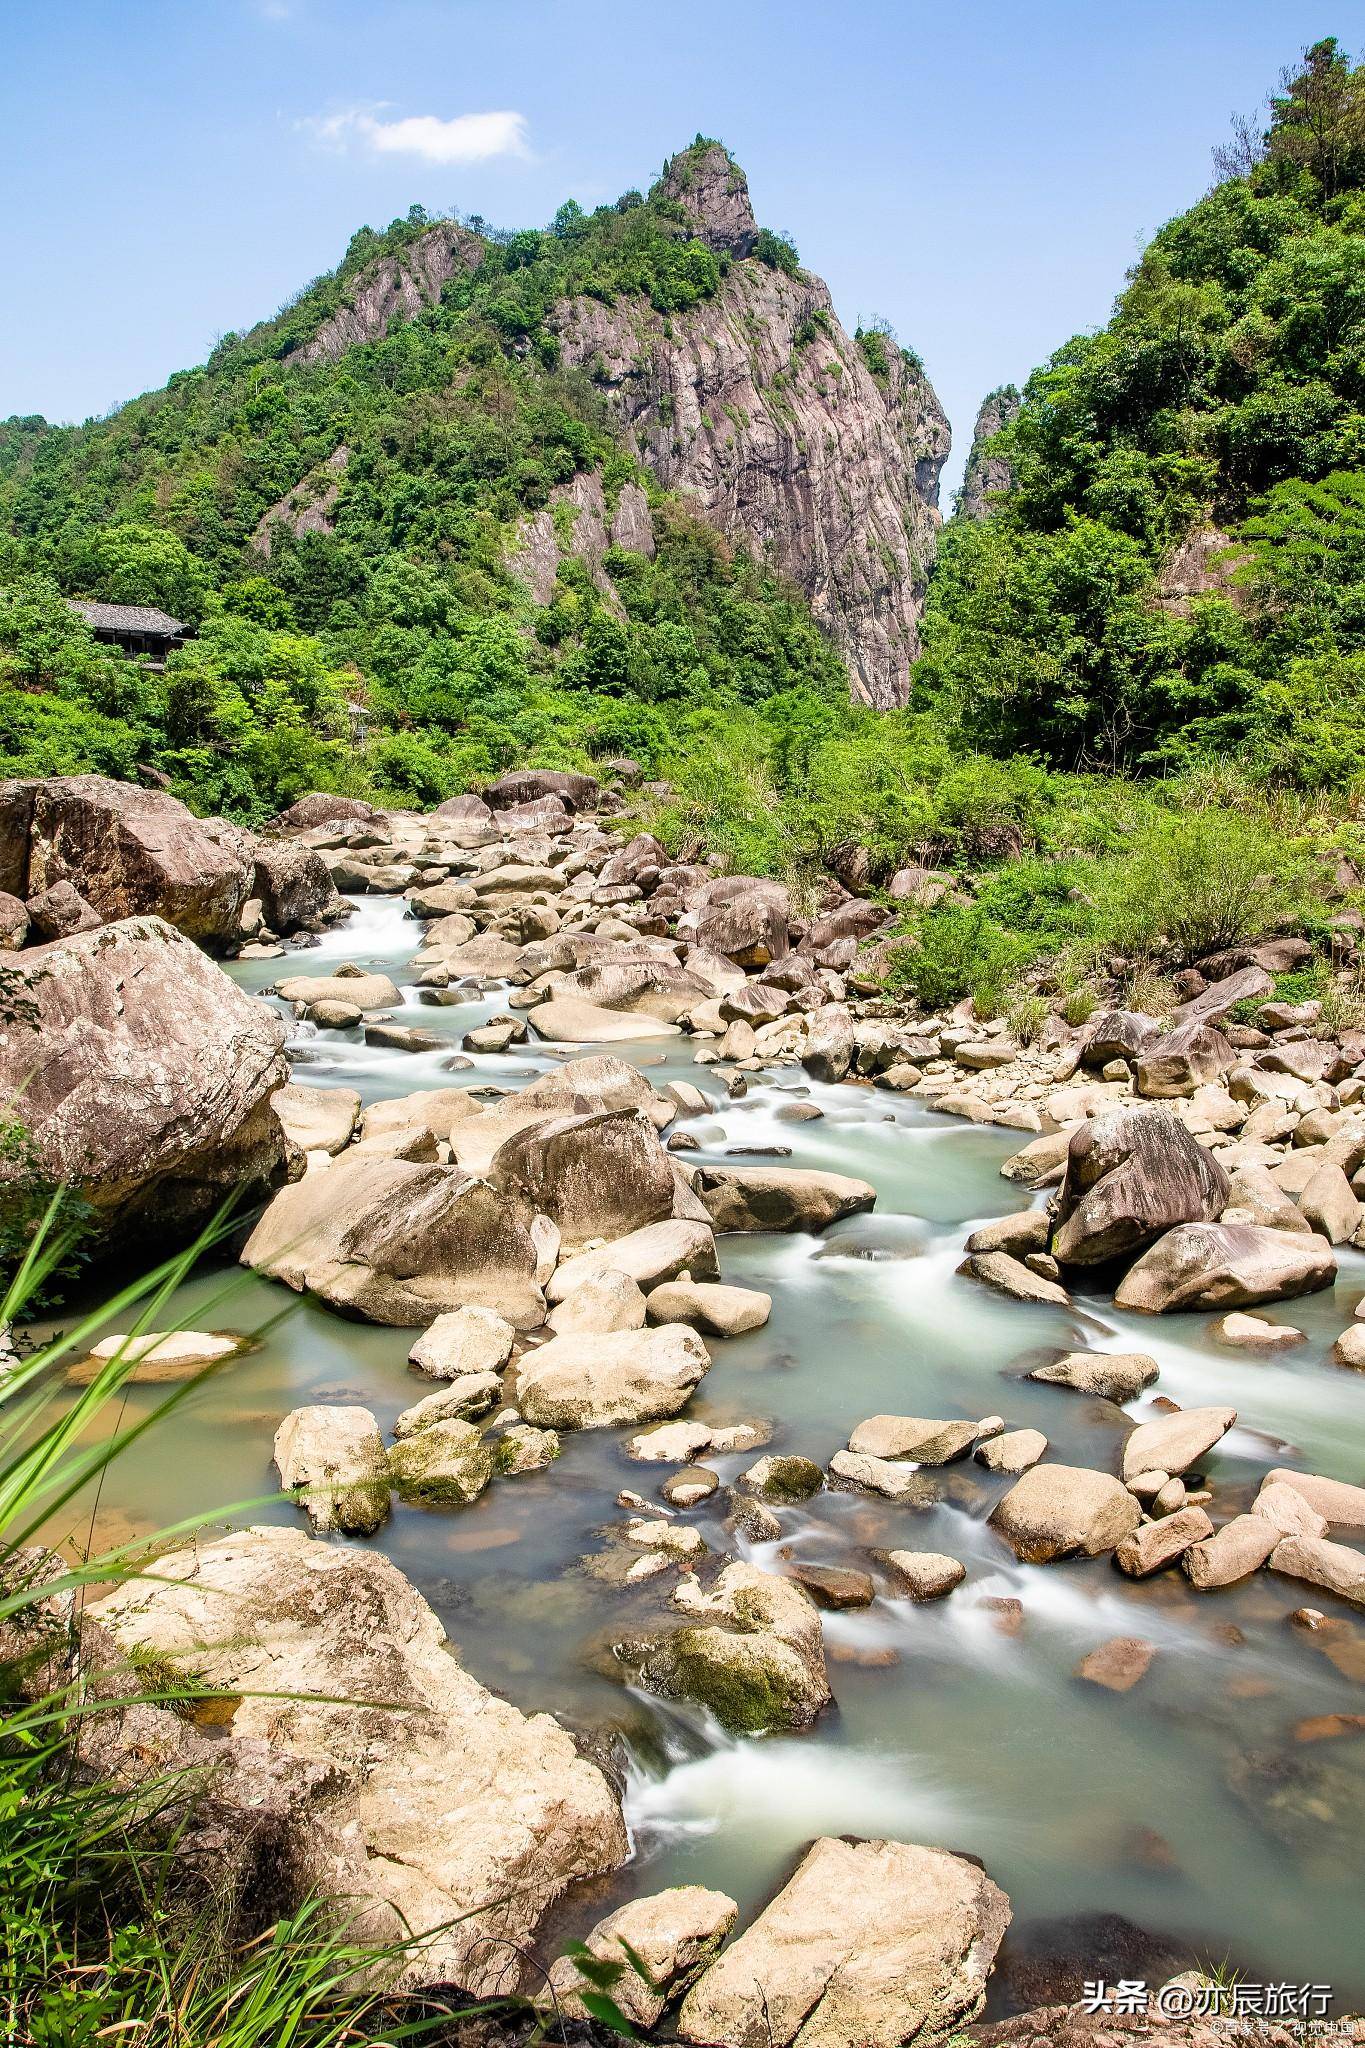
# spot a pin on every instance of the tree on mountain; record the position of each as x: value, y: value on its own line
x: 1317, y: 119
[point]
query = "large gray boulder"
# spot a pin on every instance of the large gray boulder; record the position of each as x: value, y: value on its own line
x: 1064, y: 1510
x: 396, y: 1242
x: 753, y: 1652
x: 1226, y: 1265
x: 594, y: 1379
x: 869, y: 1945
x: 779, y: 1197
x: 742, y: 917
x: 295, y: 886
x: 1130, y: 1175
x: 528, y: 785
x: 442, y: 1812
x: 599, y: 1175
x: 131, y: 852
x: 145, y: 1076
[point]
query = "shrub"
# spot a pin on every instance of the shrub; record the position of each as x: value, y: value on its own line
x: 1200, y: 883
x: 958, y: 951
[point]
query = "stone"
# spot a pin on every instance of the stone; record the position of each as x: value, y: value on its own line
x: 1254, y: 1333
x: 1015, y: 1451
x: 60, y: 912
x: 675, y: 1934
x: 1026, y: 1231
x: 741, y: 917
x: 1183, y: 1060
x: 14, y: 922
x: 337, y: 1659
x: 897, y: 1482
x: 569, y: 1020
x: 317, y: 1119
x: 397, y: 1242
x: 1232, y: 1265
x: 869, y: 1945
x: 1341, y: 1502
x: 466, y: 1398
x: 658, y: 1252
x: 443, y: 1464
x: 529, y: 785
x: 783, y: 1479
x: 175, y: 1349
x: 1118, y: 1034
x: 336, y: 1458
x: 1287, y: 1512
x: 689, y: 1487
x: 1349, y: 1348
x: 1131, y: 1176
x: 133, y: 852
x: 924, y: 1574
x: 521, y: 1448
x: 1329, y: 1206
x: 785, y: 1198
x: 1173, y: 1443
x: 1008, y: 1275
x: 294, y: 886
x: 834, y: 1587
x: 910, y: 1436
x: 603, y: 1174
x: 1236, y: 1550
x: 1335, y: 1567
x: 719, y: 1311
x: 606, y: 1301
x: 592, y: 1381
x: 1114, y: 1375
x: 1155, y: 1545
x: 464, y: 1341
x: 1117, y: 1665
x: 1056, y: 1511
x: 145, y: 1077
x: 353, y: 991
x: 752, y: 1651
x: 322, y: 807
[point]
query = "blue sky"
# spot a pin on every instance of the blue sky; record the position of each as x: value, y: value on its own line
x: 981, y: 174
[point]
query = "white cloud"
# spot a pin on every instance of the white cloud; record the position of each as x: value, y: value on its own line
x: 463, y: 139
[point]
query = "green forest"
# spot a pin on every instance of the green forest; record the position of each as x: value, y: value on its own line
x: 1077, y: 736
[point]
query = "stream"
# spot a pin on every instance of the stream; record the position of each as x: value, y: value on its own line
x: 949, y: 1728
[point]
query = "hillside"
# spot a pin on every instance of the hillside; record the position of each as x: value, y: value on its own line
x: 1177, y: 569
x: 477, y: 494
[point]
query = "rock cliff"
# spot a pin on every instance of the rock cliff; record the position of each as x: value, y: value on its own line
x: 405, y: 283
x: 987, y: 474
x: 759, y: 406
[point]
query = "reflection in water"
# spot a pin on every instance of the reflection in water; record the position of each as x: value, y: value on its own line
x: 959, y: 1722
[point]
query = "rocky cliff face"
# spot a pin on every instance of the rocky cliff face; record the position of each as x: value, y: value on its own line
x: 405, y: 283
x: 987, y: 475
x: 760, y: 407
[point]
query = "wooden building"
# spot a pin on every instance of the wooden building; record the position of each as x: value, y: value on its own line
x: 140, y: 630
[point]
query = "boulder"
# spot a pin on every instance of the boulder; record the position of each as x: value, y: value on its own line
x: 1334, y: 1567
x: 355, y: 990
x: 1013, y: 1451
x: 529, y: 785
x: 910, y: 1436
x: 1225, y: 1265
x: 133, y: 852
x: 469, y: 808
x: 463, y: 1341
x: 893, y: 1480
x: 145, y: 1077
x: 570, y: 1020
x: 322, y: 807
x: 1008, y: 1275
x: 869, y: 1945
x: 59, y: 912
x: 1118, y: 1035
x: 396, y: 1242
x: 779, y: 1197
x: 606, y: 1301
x: 13, y: 923
x: 924, y: 1574
x: 741, y: 917
x: 1328, y: 1205
x: 1287, y: 1512
x: 455, y: 1818
x: 1336, y: 1499
x: 1184, y: 1059
x: 446, y: 1463
x: 673, y: 1934
x: 1117, y: 1665
x: 658, y: 1252
x: 835, y: 1588
x: 720, y: 1311
x: 317, y: 1119
x: 1114, y: 1375
x: 783, y: 1479
x: 1057, y: 1511
x: 1236, y: 1550
x: 463, y: 1400
x: 753, y: 1652
x: 592, y: 1381
x: 1131, y: 1175
x: 599, y: 1175
x: 335, y: 1457
x: 294, y: 886
x: 1158, y: 1544
x: 1173, y: 1443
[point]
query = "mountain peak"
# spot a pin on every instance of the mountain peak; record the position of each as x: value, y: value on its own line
x: 713, y: 192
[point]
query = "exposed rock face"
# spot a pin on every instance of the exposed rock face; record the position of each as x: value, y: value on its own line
x: 405, y: 284
x: 308, y: 508
x: 760, y: 407
x: 987, y: 475
x: 458, y: 1813
x: 541, y: 545
x: 1201, y: 565
x: 129, y: 851
x: 869, y: 1945
x: 145, y: 1076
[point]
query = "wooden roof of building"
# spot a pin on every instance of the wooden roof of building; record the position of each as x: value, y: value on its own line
x: 127, y: 618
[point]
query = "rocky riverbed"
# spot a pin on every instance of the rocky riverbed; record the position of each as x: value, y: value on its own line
x: 804, y: 1420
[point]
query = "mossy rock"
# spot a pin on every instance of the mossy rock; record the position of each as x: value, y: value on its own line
x: 750, y: 1683
x: 445, y: 1465
x: 786, y: 1480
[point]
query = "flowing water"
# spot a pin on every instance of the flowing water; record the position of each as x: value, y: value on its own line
x: 1184, y: 1806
